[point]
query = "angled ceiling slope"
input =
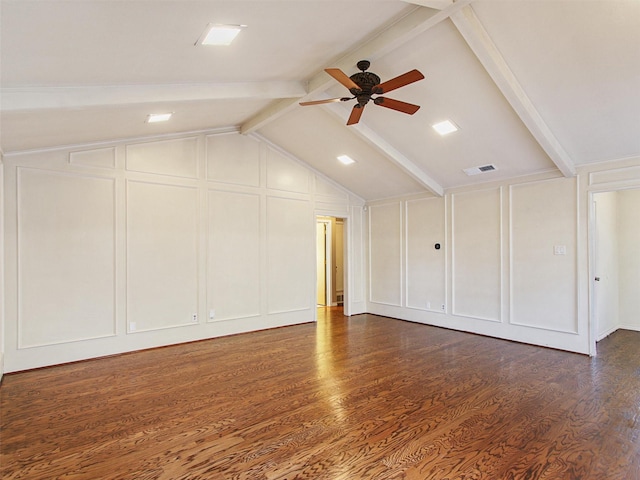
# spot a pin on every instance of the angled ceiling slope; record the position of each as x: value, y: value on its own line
x: 525, y: 102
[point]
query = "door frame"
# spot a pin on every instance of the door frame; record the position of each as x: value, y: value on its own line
x: 592, y: 264
x: 328, y: 284
x: 346, y: 259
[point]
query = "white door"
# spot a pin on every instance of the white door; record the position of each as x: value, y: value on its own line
x: 606, y: 258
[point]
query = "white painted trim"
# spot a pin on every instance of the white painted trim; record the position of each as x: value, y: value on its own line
x: 123, y: 141
x: 36, y: 98
x: 631, y: 174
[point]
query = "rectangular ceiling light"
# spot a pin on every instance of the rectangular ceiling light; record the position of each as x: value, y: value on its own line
x: 216, y: 34
x: 158, y: 117
x: 445, y: 127
x: 346, y: 159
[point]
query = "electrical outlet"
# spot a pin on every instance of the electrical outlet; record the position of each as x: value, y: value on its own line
x: 443, y: 307
x: 194, y: 319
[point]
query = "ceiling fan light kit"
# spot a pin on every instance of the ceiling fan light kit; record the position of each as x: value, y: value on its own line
x: 363, y: 85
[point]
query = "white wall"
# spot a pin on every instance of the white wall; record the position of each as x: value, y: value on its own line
x: 629, y: 267
x: 142, y: 244
x: 516, y: 260
x: 498, y: 272
x: 2, y: 304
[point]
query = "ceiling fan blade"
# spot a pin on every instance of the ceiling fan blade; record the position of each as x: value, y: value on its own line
x: 403, y: 107
x: 356, y: 113
x: 397, y: 82
x: 342, y: 77
x: 320, y: 102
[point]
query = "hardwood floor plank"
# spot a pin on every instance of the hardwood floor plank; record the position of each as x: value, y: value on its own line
x: 364, y: 397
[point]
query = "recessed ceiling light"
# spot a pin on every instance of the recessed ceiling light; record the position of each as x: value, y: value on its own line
x: 346, y: 159
x: 445, y: 127
x: 158, y: 117
x: 216, y: 34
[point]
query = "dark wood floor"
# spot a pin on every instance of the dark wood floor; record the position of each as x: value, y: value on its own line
x: 354, y: 398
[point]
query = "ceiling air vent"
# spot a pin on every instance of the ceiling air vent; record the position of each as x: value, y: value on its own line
x: 482, y: 169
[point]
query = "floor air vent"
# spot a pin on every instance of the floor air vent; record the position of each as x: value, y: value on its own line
x: 481, y: 169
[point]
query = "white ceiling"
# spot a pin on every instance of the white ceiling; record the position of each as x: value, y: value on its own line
x: 534, y: 85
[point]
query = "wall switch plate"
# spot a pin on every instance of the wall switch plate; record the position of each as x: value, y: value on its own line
x: 428, y: 305
x: 559, y: 250
x: 132, y: 326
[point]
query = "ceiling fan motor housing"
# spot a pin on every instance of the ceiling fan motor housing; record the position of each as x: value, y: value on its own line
x: 366, y: 81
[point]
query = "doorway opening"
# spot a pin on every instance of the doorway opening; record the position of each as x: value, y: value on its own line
x: 330, y: 261
x: 615, y: 263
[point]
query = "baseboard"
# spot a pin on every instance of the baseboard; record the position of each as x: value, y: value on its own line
x: 633, y: 328
x: 606, y: 333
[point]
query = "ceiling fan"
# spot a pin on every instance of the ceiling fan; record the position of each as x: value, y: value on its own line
x: 363, y: 85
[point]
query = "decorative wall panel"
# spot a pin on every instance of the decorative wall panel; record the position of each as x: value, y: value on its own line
x: 285, y: 174
x: 136, y: 245
x: 356, y: 255
x: 233, y: 274
x: 385, y: 254
x: 233, y: 159
x: 290, y: 255
x: 327, y: 189
x: 426, y: 265
x: 477, y: 254
x: 543, y: 254
x: 66, y: 257
x: 177, y: 158
x: 162, y: 255
x: 101, y: 158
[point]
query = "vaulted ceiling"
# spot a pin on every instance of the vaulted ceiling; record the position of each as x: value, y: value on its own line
x: 533, y: 85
